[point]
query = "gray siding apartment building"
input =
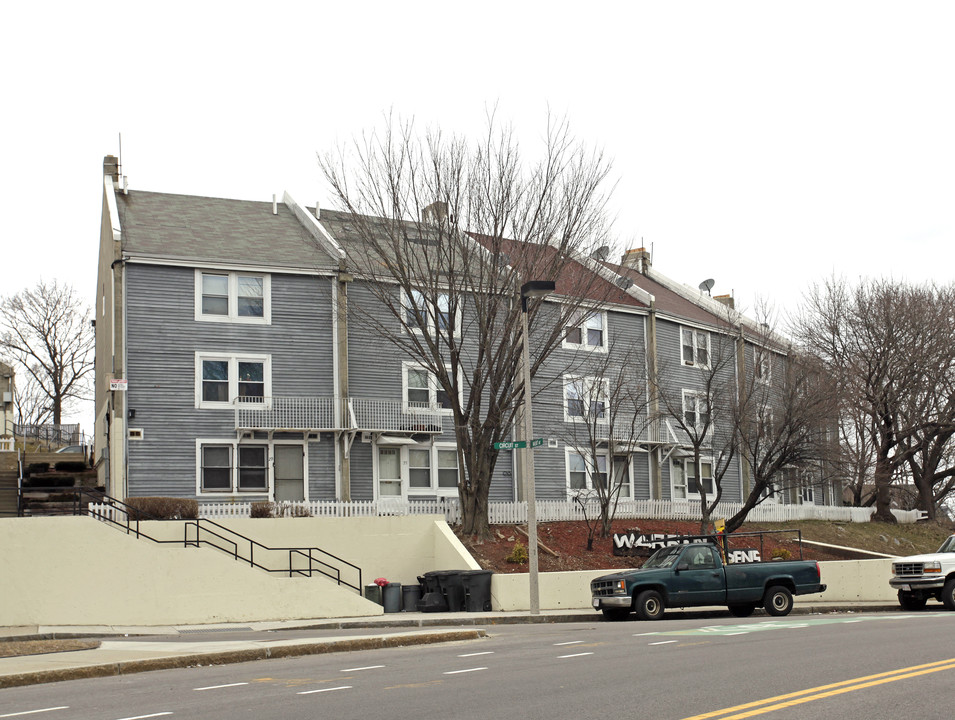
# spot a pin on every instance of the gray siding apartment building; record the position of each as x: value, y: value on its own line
x: 230, y: 368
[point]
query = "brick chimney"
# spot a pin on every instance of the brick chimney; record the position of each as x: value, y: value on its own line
x: 638, y: 259
x: 727, y: 300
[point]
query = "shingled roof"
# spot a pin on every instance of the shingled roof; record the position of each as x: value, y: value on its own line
x: 164, y: 226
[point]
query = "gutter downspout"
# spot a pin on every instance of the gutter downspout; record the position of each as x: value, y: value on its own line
x: 656, y: 462
x: 340, y: 323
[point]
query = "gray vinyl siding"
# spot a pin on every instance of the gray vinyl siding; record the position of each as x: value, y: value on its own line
x: 625, y: 338
x: 163, y: 337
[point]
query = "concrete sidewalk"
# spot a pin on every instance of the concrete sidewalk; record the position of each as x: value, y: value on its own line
x: 120, y: 657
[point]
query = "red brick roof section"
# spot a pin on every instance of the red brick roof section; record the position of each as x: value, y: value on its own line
x: 573, y: 280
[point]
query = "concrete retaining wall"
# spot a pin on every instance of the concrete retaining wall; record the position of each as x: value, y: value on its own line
x: 79, y: 571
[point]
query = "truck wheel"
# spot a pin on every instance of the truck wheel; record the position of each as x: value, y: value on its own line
x: 948, y: 594
x: 615, y: 614
x: 911, y: 601
x: 649, y: 605
x: 778, y: 601
x: 741, y: 610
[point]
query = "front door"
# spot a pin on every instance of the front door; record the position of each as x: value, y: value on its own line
x: 289, y: 473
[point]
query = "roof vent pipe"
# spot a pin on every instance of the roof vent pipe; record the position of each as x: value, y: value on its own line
x: 275, y: 207
x: 318, y: 211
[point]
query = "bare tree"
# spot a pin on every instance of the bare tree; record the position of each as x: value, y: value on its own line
x: 702, y: 413
x: 46, y: 330
x: 785, y: 417
x: 608, y: 402
x: 885, y: 343
x: 448, y: 232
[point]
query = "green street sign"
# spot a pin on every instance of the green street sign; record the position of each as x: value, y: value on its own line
x: 518, y: 444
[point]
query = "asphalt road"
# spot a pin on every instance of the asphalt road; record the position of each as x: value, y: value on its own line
x: 842, y: 665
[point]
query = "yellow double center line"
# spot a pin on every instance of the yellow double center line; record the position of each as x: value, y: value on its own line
x: 780, y: 702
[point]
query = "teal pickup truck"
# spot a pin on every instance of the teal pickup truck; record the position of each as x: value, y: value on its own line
x: 694, y: 575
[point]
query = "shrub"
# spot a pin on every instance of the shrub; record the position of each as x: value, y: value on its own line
x: 781, y: 554
x: 518, y: 554
x: 261, y: 510
x: 37, y: 468
x: 162, y: 508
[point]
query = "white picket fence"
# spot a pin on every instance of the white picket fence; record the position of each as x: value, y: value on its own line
x: 515, y: 513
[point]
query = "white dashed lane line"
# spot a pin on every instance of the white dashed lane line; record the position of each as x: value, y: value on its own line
x: 486, y: 652
x: 359, y: 669
x: 563, y: 657
x: 458, y: 672
x: 34, y: 712
x: 143, y: 717
x: 219, y: 687
x: 322, y: 690
x: 663, y: 642
x: 570, y: 642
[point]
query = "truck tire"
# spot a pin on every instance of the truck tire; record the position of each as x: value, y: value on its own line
x: 742, y: 610
x: 649, y: 605
x: 948, y: 594
x: 778, y: 601
x: 911, y: 601
x: 615, y: 614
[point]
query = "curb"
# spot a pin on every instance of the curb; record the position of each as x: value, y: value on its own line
x: 317, y: 647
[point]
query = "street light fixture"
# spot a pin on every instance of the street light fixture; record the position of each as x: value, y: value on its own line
x: 531, y: 289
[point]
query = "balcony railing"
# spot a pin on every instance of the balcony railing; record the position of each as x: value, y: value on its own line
x: 319, y: 414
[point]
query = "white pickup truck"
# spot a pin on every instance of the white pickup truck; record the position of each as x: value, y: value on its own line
x: 920, y: 577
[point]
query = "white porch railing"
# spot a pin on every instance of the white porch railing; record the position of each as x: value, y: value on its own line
x: 513, y: 513
x: 7, y: 445
x: 318, y: 413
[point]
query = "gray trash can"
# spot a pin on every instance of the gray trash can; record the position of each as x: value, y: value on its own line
x: 477, y: 590
x: 391, y: 597
x: 410, y: 595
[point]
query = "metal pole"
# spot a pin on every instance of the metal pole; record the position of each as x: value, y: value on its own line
x: 527, y: 467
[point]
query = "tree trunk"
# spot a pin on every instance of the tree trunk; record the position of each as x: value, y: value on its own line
x: 883, y: 495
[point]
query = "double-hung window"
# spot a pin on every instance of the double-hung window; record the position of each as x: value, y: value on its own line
x: 223, y: 296
x: 706, y: 477
x: 587, y: 330
x: 585, y: 398
x: 694, y: 347
x: 422, y: 469
x: 420, y: 315
x: 585, y: 472
x: 763, y: 366
x: 696, y: 411
x: 233, y: 468
x: 420, y: 389
x: 222, y: 378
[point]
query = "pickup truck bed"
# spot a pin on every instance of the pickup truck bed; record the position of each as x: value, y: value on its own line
x: 694, y: 575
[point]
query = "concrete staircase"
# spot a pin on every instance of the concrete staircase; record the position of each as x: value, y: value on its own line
x: 8, y: 493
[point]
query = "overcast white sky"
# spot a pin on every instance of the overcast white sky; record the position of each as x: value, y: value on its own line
x: 766, y: 145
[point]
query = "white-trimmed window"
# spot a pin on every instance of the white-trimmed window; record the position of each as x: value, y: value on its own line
x: 587, y: 330
x: 221, y: 378
x: 223, y: 296
x: 417, y: 470
x: 706, y: 477
x: 420, y: 390
x: 585, y: 472
x: 419, y: 316
x: 763, y: 366
x: 696, y: 411
x: 807, y: 495
x: 586, y: 398
x: 231, y: 467
x: 694, y: 347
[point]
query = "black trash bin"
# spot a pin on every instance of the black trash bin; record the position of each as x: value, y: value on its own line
x: 477, y: 590
x: 432, y: 600
x: 452, y: 588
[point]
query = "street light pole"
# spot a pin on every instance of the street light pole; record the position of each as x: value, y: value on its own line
x: 533, y: 288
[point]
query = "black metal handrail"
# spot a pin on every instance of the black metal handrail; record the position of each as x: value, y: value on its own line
x: 204, y: 535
